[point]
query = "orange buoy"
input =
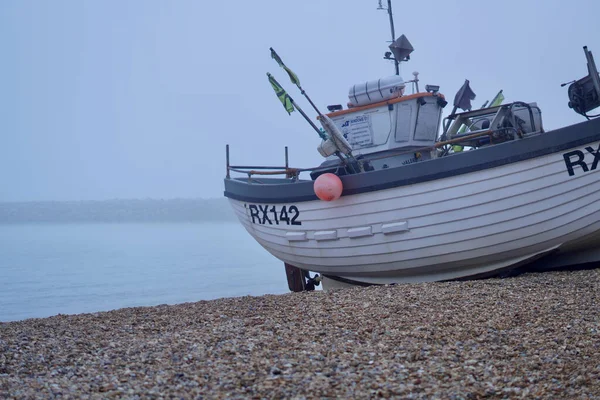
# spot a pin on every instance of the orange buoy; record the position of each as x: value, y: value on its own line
x: 328, y: 187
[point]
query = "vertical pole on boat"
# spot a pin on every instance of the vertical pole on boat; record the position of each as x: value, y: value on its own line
x: 447, y: 124
x: 286, y: 158
x: 396, y: 62
x: 227, y: 159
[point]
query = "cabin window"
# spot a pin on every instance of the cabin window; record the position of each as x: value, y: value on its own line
x: 403, y: 123
x: 427, y: 121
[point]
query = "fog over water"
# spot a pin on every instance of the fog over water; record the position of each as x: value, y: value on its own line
x: 114, y: 211
x: 137, y: 99
x: 46, y: 269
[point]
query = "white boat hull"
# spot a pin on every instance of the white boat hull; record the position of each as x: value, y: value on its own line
x: 454, y: 227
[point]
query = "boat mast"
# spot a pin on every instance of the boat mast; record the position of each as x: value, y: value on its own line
x: 389, y: 10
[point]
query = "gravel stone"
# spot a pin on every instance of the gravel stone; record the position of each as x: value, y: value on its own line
x: 531, y: 336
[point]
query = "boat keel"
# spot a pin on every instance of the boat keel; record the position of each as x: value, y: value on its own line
x: 300, y: 280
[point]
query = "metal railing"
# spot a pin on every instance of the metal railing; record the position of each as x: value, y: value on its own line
x: 294, y: 173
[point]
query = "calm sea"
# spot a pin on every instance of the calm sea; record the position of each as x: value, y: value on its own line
x: 78, y: 268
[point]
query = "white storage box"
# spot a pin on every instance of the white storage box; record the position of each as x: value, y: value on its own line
x: 375, y: 91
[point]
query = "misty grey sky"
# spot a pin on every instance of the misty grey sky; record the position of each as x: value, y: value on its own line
x: 136, y: 99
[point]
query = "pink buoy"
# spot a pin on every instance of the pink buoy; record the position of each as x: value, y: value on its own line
x: 328, y: 187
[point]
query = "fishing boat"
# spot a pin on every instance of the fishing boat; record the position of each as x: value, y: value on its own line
x: 404, y: 195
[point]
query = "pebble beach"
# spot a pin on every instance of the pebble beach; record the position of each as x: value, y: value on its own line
x: 531, y: 336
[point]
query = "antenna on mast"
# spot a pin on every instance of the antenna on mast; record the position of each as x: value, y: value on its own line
x: 401, y: 47
x: 388, y: 54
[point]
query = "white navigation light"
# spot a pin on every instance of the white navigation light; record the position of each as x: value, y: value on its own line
x: 401, y: 48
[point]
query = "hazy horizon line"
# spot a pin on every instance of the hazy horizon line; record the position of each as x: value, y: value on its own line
x: 116, y: 199
x: 118, y: 210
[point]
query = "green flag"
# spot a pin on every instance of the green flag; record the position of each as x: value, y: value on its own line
x: 285, y: 98
x: 496, y: 101
x: 292, y: 75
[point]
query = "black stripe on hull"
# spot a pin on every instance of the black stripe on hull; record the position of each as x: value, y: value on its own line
x: 287, y: 191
